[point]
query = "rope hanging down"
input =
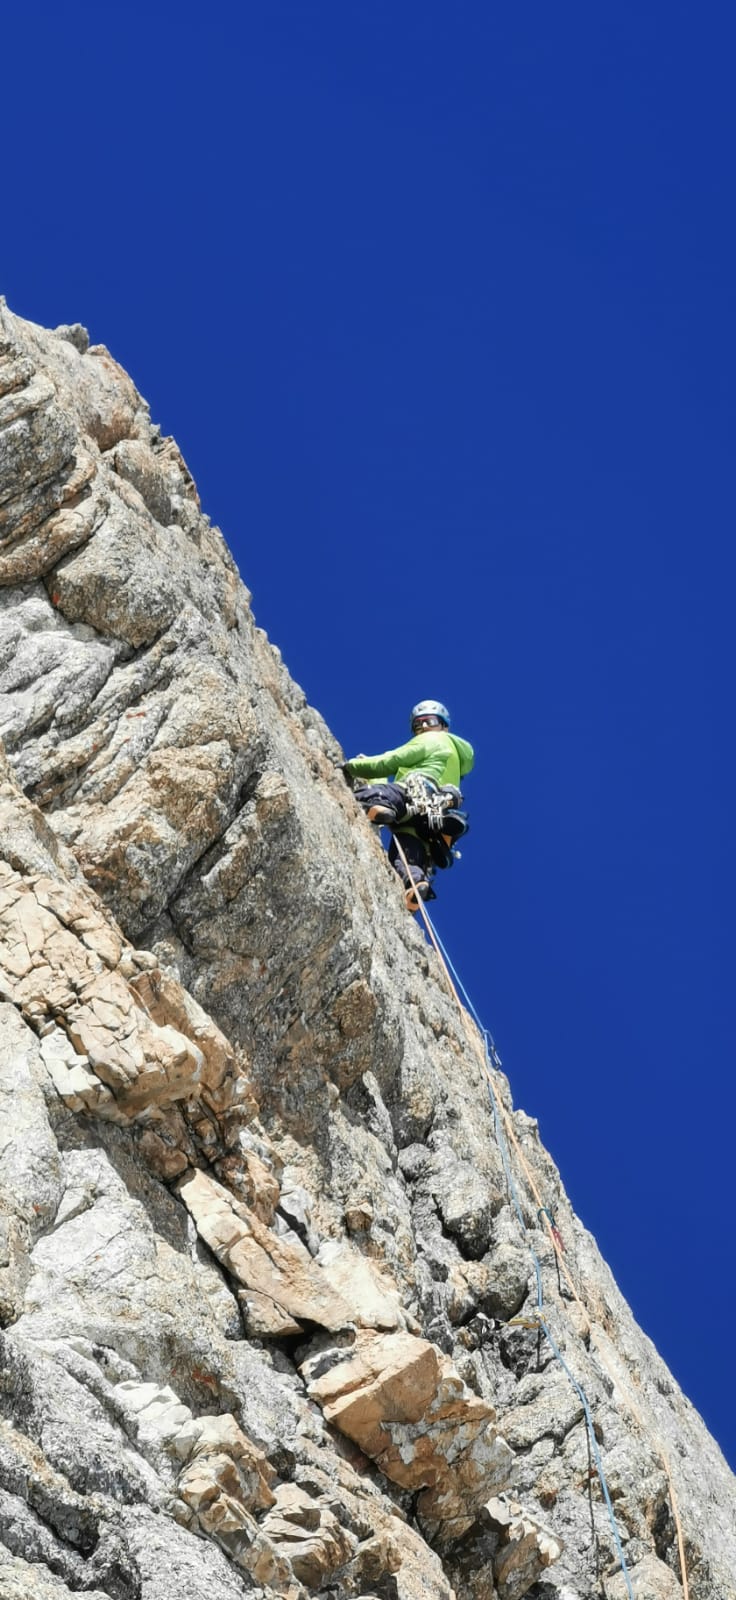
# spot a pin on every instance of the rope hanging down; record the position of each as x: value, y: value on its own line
x: 493, y: 1061
x: 502, y: 1123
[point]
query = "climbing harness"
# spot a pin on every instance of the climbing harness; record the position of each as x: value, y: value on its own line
x: 425, y: 809
x: 424, y: 799
x: 503, y: 1126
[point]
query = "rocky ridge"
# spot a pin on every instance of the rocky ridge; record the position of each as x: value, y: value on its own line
x: 268, y: 1317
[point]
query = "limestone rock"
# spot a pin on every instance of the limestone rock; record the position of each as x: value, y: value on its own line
x: 358, y: 1218
x: 31, y: 1174
x: 406, y: 1407
x: 225, y: 1482
x: 277, y: 1269
x: 525, y: 1547
x: 548, y: 1405
x: 464, y: 1203
x: 650, y: 1580
x: 311, y: 1536
x: 370, y: 1292
x: 258, y: 1260
x: 58, y: 966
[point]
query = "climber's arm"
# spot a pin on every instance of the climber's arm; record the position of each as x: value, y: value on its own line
x: 383, y: 765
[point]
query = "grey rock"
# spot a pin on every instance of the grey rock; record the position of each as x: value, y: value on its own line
x: 172, y: 1562
x: 23, y: 1533
x: 508, y: 1281
x: 75, y: 334
x: 21, y: 1580
x: 294, y: 1206
x: 162, y: 765
x: 547, y: 1407
x: 464, y: 1203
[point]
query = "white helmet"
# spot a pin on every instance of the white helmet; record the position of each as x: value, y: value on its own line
x: 430, y: 708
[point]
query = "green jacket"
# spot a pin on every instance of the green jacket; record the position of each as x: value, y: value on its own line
x: 439, y: 755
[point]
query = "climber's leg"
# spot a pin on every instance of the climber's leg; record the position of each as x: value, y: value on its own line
x: 383, y: 803
x: 417, y: 880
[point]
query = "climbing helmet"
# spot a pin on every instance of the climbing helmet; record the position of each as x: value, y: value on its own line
x: 428, y: 713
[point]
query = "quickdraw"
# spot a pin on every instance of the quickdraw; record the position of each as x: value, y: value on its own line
x: 424, y: 799
x: 544, y: 1211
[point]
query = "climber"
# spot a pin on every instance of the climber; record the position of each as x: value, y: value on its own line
x: 422, y: 802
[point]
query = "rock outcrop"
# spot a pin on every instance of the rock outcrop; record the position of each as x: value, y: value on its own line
x: 270, y: 1323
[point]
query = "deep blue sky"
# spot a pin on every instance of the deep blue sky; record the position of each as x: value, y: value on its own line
x: 439, y: 303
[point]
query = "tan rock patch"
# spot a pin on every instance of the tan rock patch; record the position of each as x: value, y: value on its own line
x: 279, y: 1269
x: 404, y: 1404
x: 109, y: 1041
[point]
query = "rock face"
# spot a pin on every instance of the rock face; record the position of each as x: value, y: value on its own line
x: 270, y: 1323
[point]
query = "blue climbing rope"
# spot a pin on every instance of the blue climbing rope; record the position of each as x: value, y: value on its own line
x: 493, y: 1063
